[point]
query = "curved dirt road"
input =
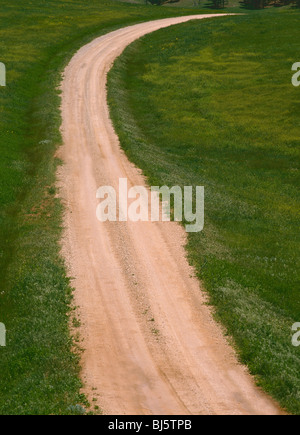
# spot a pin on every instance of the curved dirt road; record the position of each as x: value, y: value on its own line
x: 151, y: 346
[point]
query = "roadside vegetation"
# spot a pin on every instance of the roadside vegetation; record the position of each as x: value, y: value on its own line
x: 211, y: 104
x: 40, y: 365
x: 231, y: 5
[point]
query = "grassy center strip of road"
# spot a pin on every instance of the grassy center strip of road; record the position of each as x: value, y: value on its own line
x: 39, y: 366
x: 211, y: 104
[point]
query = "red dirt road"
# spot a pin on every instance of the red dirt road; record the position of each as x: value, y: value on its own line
x: 151, y: 345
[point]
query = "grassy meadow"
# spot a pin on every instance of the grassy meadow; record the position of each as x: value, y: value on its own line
x: 40, y: 366
x: 211, y: 104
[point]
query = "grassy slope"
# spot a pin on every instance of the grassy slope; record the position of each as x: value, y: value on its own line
x: 212, y: 104
x: 39, y: 371
x: 231, y: 5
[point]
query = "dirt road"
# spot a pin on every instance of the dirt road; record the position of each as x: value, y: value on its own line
x: 151, y: 346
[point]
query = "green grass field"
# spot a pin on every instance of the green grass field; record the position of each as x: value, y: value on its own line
x: 39, y: 367
x: 230, y: 5
x: 212, y: 104
x: 200, y: 91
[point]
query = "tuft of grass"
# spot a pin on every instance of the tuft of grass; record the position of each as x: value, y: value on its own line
x: 40, y: 365
x: 211, y: 103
